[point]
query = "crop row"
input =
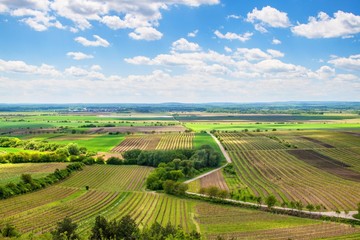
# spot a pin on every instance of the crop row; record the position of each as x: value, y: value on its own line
x: 176, y: 141
x: 143, y: 142
x: 289, y: 179
x: 147, y: 208
x: 110, y: 178
x: 44, y: 218
x: 347, y: 155
x: 242, y: 223
x: 232, y: 142
x: 214, y: 179
x: 156, y: 141
x: 303, y: 232
x: 29, y: 201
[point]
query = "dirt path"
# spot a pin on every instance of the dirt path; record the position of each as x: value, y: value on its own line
x: 226, y: 155
x: 328, y: 214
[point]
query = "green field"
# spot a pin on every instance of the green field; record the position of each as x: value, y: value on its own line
x: 112, y: 197
x: 96, y: 143
x: 308, y: 166
x: 284, y: 163
x: 238, y: 126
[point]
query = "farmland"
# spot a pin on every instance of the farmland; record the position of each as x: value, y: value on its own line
x: 295, y: 170
x: 110, y: 178
x: 156, y: 141
x: 215, y: 179
x: 50, y: 123
x: 249, y: 224
x: 252, y: 126
x: 319, y: 166
x: 38, y: 212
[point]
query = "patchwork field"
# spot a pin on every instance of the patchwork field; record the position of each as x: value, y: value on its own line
x: 273, y: 164
x: 319, y: 167
x: 142, y: 142
x: 116, y: 191
x: 283, y: 126
x: 156, y: 141
x: 239, y: 223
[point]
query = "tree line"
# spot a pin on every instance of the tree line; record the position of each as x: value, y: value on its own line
x: 28, y: 184
x: 103, y: 229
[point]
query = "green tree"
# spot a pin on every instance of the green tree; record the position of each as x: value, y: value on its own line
x: 176, y: 175
x: 9, y: 231
x: 310, y: 207
x: 223, y: 194
x: 63, y: 152
x: 100, y: 229
x: 73, y: 149
x: 299, y: 205
x: 259, y: 200
x: 212, y: 191
x: 127, y: 229
x: 169, y: 186
x: 65, y: 229
x: 270, y: 201
x: 26, y: 178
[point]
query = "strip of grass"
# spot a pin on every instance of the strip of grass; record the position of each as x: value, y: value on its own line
x: 101, y: 143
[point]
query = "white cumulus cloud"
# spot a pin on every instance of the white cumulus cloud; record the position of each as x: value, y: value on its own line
x: 79, y: 55
x: 146, y: 33
x: 23, y: 67
x: 350, y: 63
x: 185, y: 46
x: 99, y: 42
x: 276, y: 41
x: 268, y: 17
x: 193, y: 33
x: 141, y: 16
x: 323, y: 26
x: 233, y: 36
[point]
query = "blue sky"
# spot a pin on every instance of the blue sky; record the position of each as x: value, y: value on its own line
x: 61, y: 51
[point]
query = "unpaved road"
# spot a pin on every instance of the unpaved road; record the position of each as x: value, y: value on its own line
x: 226, y: 155
x: 328, y: 214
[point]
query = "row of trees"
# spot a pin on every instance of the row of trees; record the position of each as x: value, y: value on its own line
x: 25, y: 157
x: 41, y: 146
x: 28, y: 184
x: 125, y: 229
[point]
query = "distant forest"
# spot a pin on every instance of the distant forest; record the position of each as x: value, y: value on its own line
x: 245, y: 108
